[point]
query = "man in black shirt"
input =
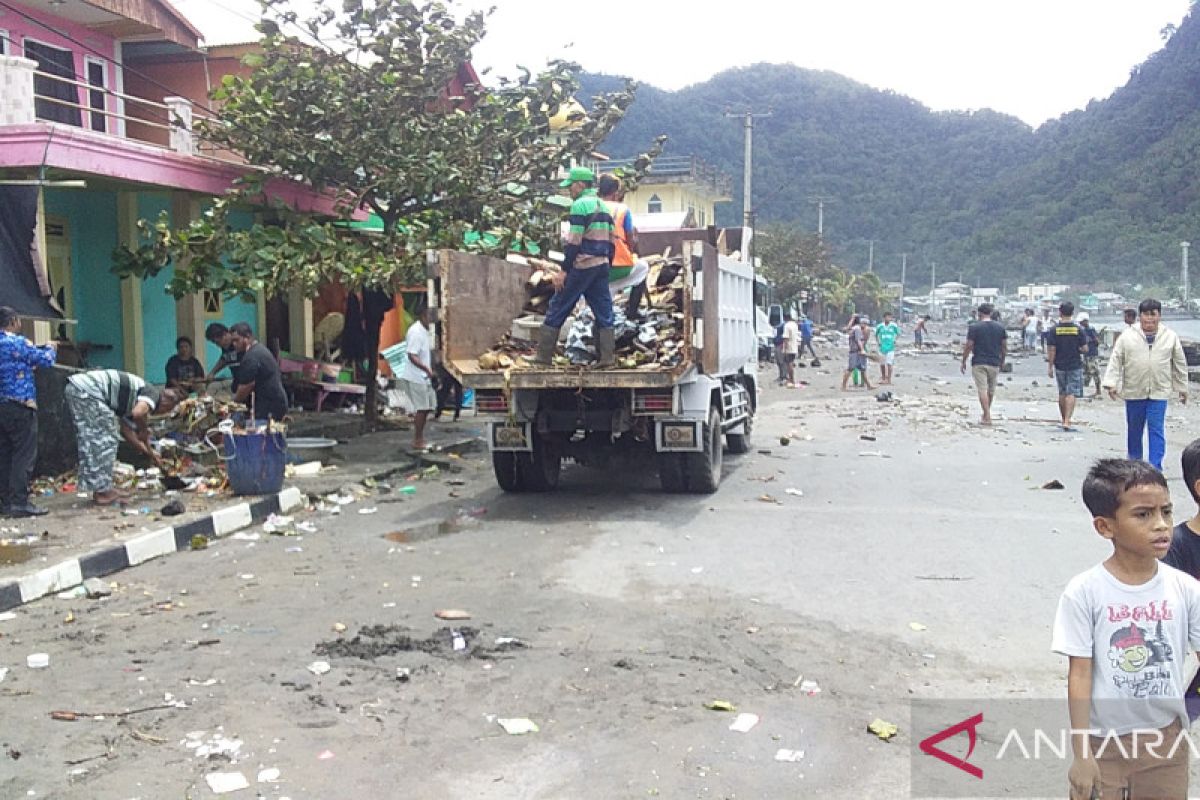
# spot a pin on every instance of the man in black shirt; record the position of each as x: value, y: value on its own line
x: 1185, y: 540
x: 222, y: 337
x: 1065, y: 344
x: 987, y: 345
x: 259, y: 383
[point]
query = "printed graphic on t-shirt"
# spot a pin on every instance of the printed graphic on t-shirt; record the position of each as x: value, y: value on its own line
x: 1141, y: 658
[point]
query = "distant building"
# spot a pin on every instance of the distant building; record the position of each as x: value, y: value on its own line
x: 1037, y: 292
x: 980, y: 296
x: 677, y: 184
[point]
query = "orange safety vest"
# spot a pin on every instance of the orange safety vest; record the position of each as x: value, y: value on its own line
x: 622, y: 252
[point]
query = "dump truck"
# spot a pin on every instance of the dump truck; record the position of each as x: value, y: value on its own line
x: 683, y: 416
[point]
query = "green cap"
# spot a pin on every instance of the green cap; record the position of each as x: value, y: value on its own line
x: 578, y: 174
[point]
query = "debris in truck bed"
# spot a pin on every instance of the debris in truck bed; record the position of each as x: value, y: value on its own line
x: 655, y: 341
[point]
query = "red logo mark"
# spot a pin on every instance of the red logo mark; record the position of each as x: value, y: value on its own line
x: 929, y: 746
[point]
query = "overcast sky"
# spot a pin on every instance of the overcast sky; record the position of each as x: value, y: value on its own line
x: 1035, y: 59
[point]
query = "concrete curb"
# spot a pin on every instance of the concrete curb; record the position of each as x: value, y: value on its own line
x: 140, y: 549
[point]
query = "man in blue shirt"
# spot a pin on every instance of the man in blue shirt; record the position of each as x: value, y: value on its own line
x: 806, y: 336
x: 18, y: 414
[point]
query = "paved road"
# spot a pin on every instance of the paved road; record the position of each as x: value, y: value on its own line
x: 631, y: 610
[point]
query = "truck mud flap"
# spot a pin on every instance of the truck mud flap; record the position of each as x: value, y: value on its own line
x: 509, y: 438
x: 678, y: 436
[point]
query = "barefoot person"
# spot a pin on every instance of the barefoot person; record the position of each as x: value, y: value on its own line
x: 417, y: 376
x: 987, y: 347
x: 857, y: 333
x: 18, y: 414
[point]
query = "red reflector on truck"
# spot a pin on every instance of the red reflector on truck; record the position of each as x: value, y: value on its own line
x: 653, y: 402
x: 490, y: 402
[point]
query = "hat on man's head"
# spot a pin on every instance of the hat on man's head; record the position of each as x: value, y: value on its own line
x: 578, y: 174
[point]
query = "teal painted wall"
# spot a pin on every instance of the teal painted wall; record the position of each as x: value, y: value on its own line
x: 96, y: 292
x: 159, y: 326
x: 233, y: 309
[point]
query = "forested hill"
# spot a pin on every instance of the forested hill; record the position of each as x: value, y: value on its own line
x: 1102, y: 194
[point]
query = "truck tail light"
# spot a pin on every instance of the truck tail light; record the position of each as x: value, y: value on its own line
x: 654, y: 401
x: 490, y: 402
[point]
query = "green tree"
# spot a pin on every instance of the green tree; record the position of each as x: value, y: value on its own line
x: 793, y: 261
x: 369, y: 123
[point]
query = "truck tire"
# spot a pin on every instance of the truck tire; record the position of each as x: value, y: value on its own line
x: 508, y: 475
x: 702, y: 471
x: 670, y: 472
x: 739, y: 443
x: 540, y: 469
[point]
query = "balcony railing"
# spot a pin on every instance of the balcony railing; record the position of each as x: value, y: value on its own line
x: 689, y: 167
x: 45, y: 96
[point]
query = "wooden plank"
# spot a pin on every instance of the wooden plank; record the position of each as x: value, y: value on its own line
x: 711, y: 275
x: 480, y: 298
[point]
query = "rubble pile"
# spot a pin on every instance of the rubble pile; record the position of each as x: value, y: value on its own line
x: 655, y: 340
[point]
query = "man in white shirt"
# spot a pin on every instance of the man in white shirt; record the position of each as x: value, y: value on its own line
x: 417, y: 376
x: 791, y: 346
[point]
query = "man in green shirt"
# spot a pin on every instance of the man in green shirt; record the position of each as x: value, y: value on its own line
x: 588, y: 255
x: 886, y: 334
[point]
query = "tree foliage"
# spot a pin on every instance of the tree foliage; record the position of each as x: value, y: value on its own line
x: 369, y: 123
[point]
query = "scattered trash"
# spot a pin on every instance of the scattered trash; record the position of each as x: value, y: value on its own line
x: 866, y: 437
x: 306, y: 527
x: 96, y: 588
x: 325, y: 755
x: 785, y: 441
x: 783, y: 754
x: 339, y: 627
x: 173, y: 508
x: 8, y: 616
x: 247, y: 576
x: 270, y: 775
x: 370, y: 510
x: 795, y: 492
x: 242, y: 536
x: 810, y: 688
x: 277, y: 523
x: 459, y: 642
x: 873, y: 454
x: 884, y: 397
x: 74, y: 593
x: 884, y: 730
x: 407, y: 490
x: 3, y: 673
x: 319, y: 667
x: 226, y: 782
x: 452, y: 613
x: 37, y: 660
x: 744, y: 723
x: 766, y: 498
x: 403, y: 674
x: 518, y: 726
x: 916, y: 626
x: 199, y: 542
x: 1054, y: 484
x: 720, y: 705
x: 306, y: 470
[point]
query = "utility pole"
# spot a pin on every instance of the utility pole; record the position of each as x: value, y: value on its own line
x: 871, y: 255
x: 819, y: 202
x: 1187, y: 306
x: 748, y: 168
x: 903, y: 275
x: 932, y: 286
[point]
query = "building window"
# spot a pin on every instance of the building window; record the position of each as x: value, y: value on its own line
x: 212, y: 304
x: 655, y: 205
x: 3, y: 42
x: 96, y: 96
x: 54, y: 100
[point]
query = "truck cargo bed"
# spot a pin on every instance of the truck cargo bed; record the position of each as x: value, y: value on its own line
x: 468, y: 372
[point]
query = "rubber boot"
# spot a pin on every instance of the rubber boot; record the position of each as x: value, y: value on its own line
x: 547, y: 341
x: 633, y: 310
x: 606, y: 344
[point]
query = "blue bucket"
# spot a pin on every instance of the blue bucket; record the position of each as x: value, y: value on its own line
x: 255, y: 462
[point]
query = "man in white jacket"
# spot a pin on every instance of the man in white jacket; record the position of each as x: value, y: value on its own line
x: 1147, y: 365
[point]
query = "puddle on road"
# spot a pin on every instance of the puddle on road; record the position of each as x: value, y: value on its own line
x: 432, y: 530
x: 14, y: 554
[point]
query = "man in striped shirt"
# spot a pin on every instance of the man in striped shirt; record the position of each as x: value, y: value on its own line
x: 588, y: 255
x: 104, y: 399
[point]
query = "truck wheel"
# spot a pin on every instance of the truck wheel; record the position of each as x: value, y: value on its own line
x: 670, y: 472
x: 739, y: 443
x: 508, y: 476
x: 703, y: 470
x: 540, y: 469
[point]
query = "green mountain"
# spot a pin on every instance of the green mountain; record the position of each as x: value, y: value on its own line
x: 1102, y: 195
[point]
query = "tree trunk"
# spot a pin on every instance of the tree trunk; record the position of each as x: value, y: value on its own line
x: 371, y: 399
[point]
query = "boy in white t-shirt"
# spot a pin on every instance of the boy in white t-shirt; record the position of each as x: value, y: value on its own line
x: 1127, y: 626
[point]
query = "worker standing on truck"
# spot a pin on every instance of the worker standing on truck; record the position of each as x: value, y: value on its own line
x: 587, y: 259
x: 628, y: 271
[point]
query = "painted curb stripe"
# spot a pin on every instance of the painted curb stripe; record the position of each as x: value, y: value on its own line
x: 143, y: 548
x: 105, y: 562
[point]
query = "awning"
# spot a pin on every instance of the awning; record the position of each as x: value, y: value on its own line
x: 18, y: 281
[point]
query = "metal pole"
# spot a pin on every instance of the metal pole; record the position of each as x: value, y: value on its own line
x: 820, y: 220
x: 903, y: 275
x: 1187, y: 306
x: 871, y: 255
x: 747, y: 213
x: 932, y: 286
